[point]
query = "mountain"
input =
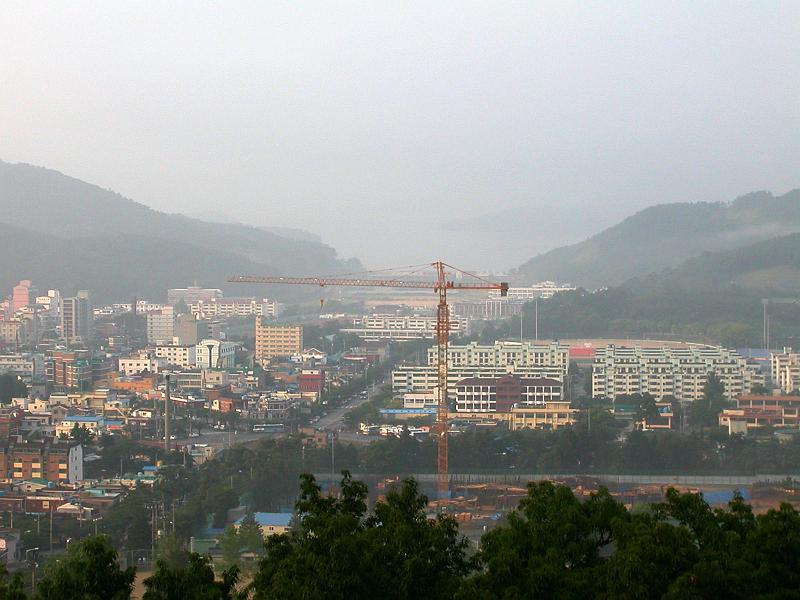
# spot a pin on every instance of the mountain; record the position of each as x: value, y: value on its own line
x: 97, y: 239
x: 663, y: 236
x: 291, y: 233
x: 771, y: 265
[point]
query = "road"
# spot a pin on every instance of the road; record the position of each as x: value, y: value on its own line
x: 335, y: 418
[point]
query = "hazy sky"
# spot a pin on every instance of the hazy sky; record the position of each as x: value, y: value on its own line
x: 376, y: 123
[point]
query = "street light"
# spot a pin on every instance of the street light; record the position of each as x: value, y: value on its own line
x: 32, y: 563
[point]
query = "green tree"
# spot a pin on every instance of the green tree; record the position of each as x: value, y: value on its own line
x: 231, y: 546
x: 251, y: 538
x: 88, y: 571
x: 194, y: 580
x: 11, y: 588
x: 705, y: 411
x: 11, y: 386
x: 171, y: 550
x: 81, y: 435
x: 339, y: 552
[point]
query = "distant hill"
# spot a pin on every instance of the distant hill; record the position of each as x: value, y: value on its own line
x: 132, y: 247
x: 664, y: 236
x: 291, y: 233
x: 769, y: 266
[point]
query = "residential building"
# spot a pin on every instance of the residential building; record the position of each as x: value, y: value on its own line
x: 181, y: 355
x: 29, y: 367
x: 667, y: 372
x: 277, y: 340
x: 76, y: 318
x: 161, y: 326
x: 505, y: 354
x: 15, y: 331
x: 487, y: 309
x: 785, y: 370
x: 69, y: 370
x: 54, y: 460
x: 311, y: 380
x: 192, y: 294
x: 543, y: 289
x: 214, y: 354
x: 501, y: 394
x: 95, y: 424
x: 403, y: 327
x: 145, y: 362
x: 189, y: 330
x: 270, y: 523
x: 753, y: 411
x: 235, y: 307
x: 22, y: 295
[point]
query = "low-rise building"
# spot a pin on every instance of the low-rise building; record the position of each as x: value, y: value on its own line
x: 270, y: 523
x: 145, y: 362
x: 501, y: 394
x: 184, y: 356
x: 215, y: 354
x: 545, y: 415
x: 753, y: 411
x: 54, y: 460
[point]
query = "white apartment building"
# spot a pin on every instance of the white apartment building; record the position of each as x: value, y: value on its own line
x: 214, y: 354
x: 505, y: 354
x: 543, y: 289
x: 785, y: 370
x: 678, y: 372
x: 235, y: 307
x: 161, y: 326
x: 183, y: 356
x: 135, y: 365
x: 403, y: 327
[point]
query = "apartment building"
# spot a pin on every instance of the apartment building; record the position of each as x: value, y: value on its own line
x: 505, y: 354
x: 144, y: 362
x: 487, y: 309
x: 69, y: 370
x: 76, y: 318
x: 192, y: 294
x: 54, y: 460
x: 214, y: 354
x: 785, y: 370
x: 403, y: 327
x: 678, y: 372
x: 15, y: 331
x: 28, y: 367
x: 189, y: 330
x: 180, y: 355
x: 543, y: 289
x: 277, y: 340
x: 501, y: 394
x: 161, y: 326
x: 235, y: 307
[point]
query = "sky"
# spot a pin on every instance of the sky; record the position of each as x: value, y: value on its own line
x: 481, y: 133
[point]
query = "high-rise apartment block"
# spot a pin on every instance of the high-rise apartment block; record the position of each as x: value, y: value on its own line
x: 785, y: 370
x: 671, y: 372
x: 76, y: 318
x: 277, y: 340
x: 161, y: 326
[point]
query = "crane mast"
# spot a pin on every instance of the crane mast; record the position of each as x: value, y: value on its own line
x: 440, y: 286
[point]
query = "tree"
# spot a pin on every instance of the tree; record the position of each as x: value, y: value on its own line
x: 11, y: 588
x: 194, y: 580
x: 81, y: 435
x: 11, y: 386
x: 171, y: 550
x: 251, y: 538
x: 88, y: 571
x: 705, y: 411
x: 231, y: 546
x: 339, y: 552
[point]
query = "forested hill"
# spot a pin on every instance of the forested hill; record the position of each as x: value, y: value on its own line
x: 48, y: 204
x: 768, y: 266
x: 664, y: 236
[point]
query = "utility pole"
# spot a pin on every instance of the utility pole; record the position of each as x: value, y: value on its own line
x: 166, y: 417
x: 51, y: 531
x: 536, y: 317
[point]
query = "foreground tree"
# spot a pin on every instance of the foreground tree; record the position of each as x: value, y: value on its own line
x: 339, y: 552
x: 88, y: 571
x: 195, y: 580
x: 11, y: 588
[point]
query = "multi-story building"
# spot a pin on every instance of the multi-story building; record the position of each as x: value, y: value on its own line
x: 181, y: 355
x: 15, y: 331
x: 144, y: 362
x: 543, y: 289
x: 277, y: 340
x: 235, y: 307
x: 54, y: 460
x: 192, y: 294
x: 670, y: 372
x: 21, y: 295
x: 552, y: 415
x: 785, y: 370
x: 189, y: 330
x: 29, y: 367
x: 214, y: 354
x: 500, y: 395
x: 311, y: 380
x: 752, y: 411
x: 76, y: 318
x: 403, y: 327
x: 487, y: 309
x: 505, y: 354
x: 161, y: 326
x: 69, y: 370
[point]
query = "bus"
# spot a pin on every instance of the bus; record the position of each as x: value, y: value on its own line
x: 268, y: 428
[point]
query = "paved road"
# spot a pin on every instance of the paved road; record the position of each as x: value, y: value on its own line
x: 335, y: 418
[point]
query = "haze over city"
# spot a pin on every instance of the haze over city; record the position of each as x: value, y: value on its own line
x: 524, y: 125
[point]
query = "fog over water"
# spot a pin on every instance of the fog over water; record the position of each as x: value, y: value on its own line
x: 482, y: 133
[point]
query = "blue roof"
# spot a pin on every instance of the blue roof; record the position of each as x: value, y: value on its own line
x: 82, y: 418
x: 265, y: 518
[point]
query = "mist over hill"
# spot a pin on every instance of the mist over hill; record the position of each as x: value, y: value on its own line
x: 664, y: 236
x: 61, y: 229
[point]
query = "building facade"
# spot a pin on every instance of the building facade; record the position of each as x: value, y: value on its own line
x: 785, y: 370
x: 670, y: 372
x: 274, y: 341
x: 192, y: 294
x: 53, y: 460
x: 76, y: 318
x: 500, y: 395
x: 181, y: 355
x: 214, y: 354
x: 404, y: 327
x: 161, y: 326
x: 235, y: 307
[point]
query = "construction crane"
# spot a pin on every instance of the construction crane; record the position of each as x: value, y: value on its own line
x: 440, y: 287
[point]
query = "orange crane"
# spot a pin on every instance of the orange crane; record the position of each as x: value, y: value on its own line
x: 440, y: 286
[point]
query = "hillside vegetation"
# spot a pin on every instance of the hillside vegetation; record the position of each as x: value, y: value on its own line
x: 664, y: 236
x: 61, y: 231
